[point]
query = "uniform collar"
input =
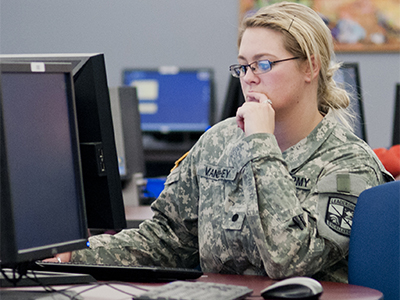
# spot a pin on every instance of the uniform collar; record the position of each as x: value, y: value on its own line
x: 296, y: 155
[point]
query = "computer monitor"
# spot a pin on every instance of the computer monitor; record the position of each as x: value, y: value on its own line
x: 173, y: 99
x: 348, y: 78
x: 102, y: 184
x: 396, y: 118
x: 42, y: 198
x: 128, y: 134
x: 234, y: 98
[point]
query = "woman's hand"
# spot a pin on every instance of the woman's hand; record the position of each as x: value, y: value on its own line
x: 61, y: 257
x: 256, y: 115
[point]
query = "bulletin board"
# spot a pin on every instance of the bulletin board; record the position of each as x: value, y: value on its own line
x: 356, y: 25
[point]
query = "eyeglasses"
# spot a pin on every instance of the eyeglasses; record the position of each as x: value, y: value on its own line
x: 257, y: 67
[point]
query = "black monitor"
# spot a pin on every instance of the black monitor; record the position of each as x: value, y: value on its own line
x: 42, y: 198
x: 348, y: 77
x: 128, y: 134
x: 396, y: 117
x: 103, y: 194
x: 234, y: 98
x: 173, y: 99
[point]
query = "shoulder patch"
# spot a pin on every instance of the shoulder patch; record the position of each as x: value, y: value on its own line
x: 179, y: 161
x: 339, y: 215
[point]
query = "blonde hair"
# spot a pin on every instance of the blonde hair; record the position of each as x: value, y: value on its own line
x: 306, y: 35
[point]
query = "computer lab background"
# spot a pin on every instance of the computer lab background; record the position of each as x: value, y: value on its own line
x: 182, y: 33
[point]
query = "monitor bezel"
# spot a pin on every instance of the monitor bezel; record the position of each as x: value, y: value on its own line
x: 358, y: 96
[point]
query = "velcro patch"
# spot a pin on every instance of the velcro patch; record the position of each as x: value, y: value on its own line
x: 339, y: 215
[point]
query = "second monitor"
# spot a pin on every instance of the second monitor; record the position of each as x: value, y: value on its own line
x: 173, y: 99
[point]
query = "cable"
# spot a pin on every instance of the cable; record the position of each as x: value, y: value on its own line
x: 110, y: 285
x: 14, y: 280
x: 49, y: 289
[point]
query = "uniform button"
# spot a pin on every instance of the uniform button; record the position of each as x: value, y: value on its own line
x: 235, y: 217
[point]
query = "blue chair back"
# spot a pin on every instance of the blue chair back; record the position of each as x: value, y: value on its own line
x: 374, y: 258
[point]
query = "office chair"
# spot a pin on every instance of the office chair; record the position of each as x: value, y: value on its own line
x: 374, y: 258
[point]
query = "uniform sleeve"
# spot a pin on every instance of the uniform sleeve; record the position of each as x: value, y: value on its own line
x: 169, y: 239
x: 300, y: 237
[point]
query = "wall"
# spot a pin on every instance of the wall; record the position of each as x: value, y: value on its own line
x: 185, y: 33
x: 131, y: 33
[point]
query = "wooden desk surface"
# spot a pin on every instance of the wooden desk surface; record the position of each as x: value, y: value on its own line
x: 332, y: 290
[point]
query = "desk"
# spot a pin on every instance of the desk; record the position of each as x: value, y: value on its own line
x: 137, y: 214
x: 332, y: 291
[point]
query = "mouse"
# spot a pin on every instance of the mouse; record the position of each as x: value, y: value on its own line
x: 304, y: 288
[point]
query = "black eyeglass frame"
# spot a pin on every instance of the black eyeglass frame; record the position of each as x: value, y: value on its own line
x: 233, y: 68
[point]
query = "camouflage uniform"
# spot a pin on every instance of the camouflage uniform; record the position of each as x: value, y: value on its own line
x: 239, y: 205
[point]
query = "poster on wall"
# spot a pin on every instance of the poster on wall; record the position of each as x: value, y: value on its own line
x: 356, y: 25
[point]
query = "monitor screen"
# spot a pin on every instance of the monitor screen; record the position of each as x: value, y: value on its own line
x: 173, y: 99
x: 102, y: 184
x: 348, y: 78
x: 42, y: 198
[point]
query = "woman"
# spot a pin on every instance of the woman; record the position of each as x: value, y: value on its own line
x: 272, y: 191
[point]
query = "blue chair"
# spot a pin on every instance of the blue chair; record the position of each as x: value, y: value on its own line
x: 374, y: 258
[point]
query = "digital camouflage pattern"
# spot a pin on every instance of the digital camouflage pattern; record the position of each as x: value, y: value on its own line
x: 239, y: 205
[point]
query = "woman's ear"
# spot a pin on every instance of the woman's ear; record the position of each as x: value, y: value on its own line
x: 312, y: 69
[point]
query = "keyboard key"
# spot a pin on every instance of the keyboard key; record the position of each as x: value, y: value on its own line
x: 188, y: 290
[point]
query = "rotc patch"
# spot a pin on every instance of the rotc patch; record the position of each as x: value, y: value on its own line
x: 339, y: 215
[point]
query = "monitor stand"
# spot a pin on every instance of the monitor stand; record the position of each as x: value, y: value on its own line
x: 40, y: 278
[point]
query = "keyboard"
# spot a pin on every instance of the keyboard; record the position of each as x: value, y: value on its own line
x: 121, y: 273
x: 195, y: 290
